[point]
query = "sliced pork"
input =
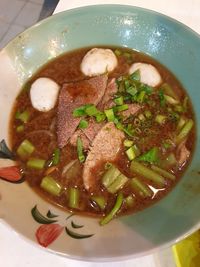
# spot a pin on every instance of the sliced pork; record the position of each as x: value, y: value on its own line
x: 105, y: 147
x: 73, y: 95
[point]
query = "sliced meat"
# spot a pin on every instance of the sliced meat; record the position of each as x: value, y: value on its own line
x: 107, y: 101
x: 182, y: 153
x: 73, y: 95
x: 105, y: 147
x: 132, y: 110
x: 87, y: 135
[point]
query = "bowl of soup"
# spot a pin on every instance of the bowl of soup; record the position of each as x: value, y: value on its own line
x: 99, y: 133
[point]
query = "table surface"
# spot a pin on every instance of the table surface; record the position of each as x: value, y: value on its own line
x: 14, y: 250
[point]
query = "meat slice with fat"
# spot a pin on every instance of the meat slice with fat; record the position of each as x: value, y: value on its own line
x: 107, y: 101
x: 105, y: 147
x: 73, y: 95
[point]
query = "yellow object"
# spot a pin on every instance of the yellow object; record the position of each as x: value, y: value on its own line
x: 187, y: 252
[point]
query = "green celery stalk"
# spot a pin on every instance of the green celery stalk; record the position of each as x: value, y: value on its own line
x: 51, y: 186
x: 26, y: 148
x: 74, y: 196
x: 118, y: 183
x: 165, y: 173
x: 37, y: 164
x: 110, y: 175
x: 80, y: 153
x: 142, y: 189
x: 184, y: 131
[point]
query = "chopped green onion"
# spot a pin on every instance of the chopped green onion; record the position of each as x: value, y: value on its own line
x: 121, y: 108
x: 25, y: 148
x: 147, y: 114
x: 56, y: 156
x: 20, y: 128
x: 74, y: 196
x: 130, y: 200
x: 135, y: 76
x: 101, y: 202
x: 128, y: 143
x: 100, y: 117
x: 132, y: 90
x: 91, y: 111
x: 37, y: 164
x: 165, y: 173
x: 80, y: 111
x: 119, y: 101
x: 181, y: 123
x: 117, y: 184
x: 83, y: 124
x: 142, y: 189
x: 148, y: 89
x: 184, y: 131
x: 150, y: 156
x: 147, y: 173
x: 162, y: 98
x: 160, y: 118
x: 141, y: 97
x: 171, y: 100
x: 136, y: 150
x: 141, y: 117
x: 23, y: 116
x: 168, y: 90
x: 51, y: 186
x: 80, y: 153
x: 110, y: 114
x: 130, y: 153
x: 113, y: 212
x: 109, y: 176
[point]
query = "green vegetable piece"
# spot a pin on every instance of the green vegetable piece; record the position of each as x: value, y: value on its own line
x: 135, y: 76
x: 80, y: 153
x: 168, y: 90
x: 117, y: 52
x: 118, y: 183
x: 109, y: 114
x: 115, y: 209
x: 119, y: 101
x: 181, y: 123
x: 20, y: 128
x: 164, y: 173
x: 171, y: 100
x: 151, y: 156
x: 121, y: 108
x: 130, y: 201
x: 147, y: 114
x: 160, y: 119
x: 132, y: 90
x: 128, y: 143
x: 83, y: 124
x: 22, y: 116
x: 5, y: 152
x: 74, y: 196
x: 184, y: 131
x: 37, y: 164
x: 91, y: 111
x: 130, y: 153
x: 141, y: 97
x: 80, y: 111
x: 162, y: 98
x: 56, y: 157
x: 142, y: 189
x: 76, y: 235
x: 76, y: 226
x: 136, y: 150
x: 109, y: 176
x: 100, y: 201
x: 100, y: 117
x: 38, y: 217
x: 25, y: 149
x: 51, y: 186
x: 127, y: 55
x: 147, y: 173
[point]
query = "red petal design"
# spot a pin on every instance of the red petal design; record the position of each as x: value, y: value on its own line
x: 12, y: 173
x: 47, y: 233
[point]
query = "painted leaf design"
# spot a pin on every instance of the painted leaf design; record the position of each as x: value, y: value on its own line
x: 11, y: 173
x: 5, y: 152
x: 47, y: 233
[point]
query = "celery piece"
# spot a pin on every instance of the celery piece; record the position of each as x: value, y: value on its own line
x: 80, y: 153
x: 80, y: 111
x: 91, y: 111
x: 147, y: 173
x: 117, y: 52
x: 142, y: 189
x: 135, y: 76
x: 100, y: 201
x: 184, y: 131
x: 115, y: 209
x: 130, y: 153
x: 25, y: 149
x: 100, y: 116
x: 56, y: 156
x: 128, y: 143
x: 121, y: 108
x: 37, y: 164
x: 118, y: 183
x: 20, y: 128
x: 23, y: 116
x: 165, y: 173
x: 51, y: 186
x: 171, y: 100
x: 119, y: 101
x: 181, y: 123
x: 109, y: 176
x: 74, y: 196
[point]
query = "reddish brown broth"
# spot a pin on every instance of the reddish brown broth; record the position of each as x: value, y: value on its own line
x: 66, y: 68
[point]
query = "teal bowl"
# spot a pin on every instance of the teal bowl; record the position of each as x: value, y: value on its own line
x: 171, y: 43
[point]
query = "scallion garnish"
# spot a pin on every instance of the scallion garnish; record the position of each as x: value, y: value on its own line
x: 110, y: 114
x: 83, y: 124
x: 81, y: 155
x: 119, y: 101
